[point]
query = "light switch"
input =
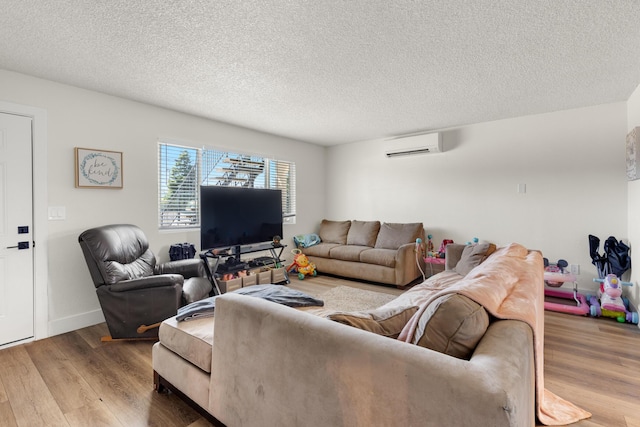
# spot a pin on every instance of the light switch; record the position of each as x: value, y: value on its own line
x: 522, y: 188
x: 57, y: 213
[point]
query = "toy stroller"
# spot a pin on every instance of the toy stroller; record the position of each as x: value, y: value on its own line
x: 611, y: 266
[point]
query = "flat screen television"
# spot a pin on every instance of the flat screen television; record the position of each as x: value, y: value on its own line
x: 231, y: 217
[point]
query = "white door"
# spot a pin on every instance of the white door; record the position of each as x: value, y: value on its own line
x: 16, y: 229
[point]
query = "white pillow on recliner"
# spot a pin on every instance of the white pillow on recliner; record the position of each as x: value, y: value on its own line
x: 195, y: 289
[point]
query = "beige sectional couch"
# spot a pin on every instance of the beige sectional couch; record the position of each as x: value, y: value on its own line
x: 272, y: 365
x: 368, y: 250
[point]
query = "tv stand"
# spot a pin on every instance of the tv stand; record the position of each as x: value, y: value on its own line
x: 235, y: 253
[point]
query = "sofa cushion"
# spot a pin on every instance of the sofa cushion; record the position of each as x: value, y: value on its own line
x: 452, y: 324
x: 347, y: 252
x: 192, y: 340
x: 472, y: 256
x: 384, y: 257
x: 320, y: 250
x: 363, y: 233
x: 334, y: 231
x: 388, y: 322
x: 392, y: 236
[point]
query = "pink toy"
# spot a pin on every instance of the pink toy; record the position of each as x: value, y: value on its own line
x: 556, y: 276
x: 611, y: 304
x: 556, y: 279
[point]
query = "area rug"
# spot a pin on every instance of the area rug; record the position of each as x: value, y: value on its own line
x: 345, y: 298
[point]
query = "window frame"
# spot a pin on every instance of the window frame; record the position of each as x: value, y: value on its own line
x: 276, y: 173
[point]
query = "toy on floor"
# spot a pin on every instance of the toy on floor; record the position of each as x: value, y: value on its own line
x: 609, y: 302
x: 302, y: 265
x: 555, y: 276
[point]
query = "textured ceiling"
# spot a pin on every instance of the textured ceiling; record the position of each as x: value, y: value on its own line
x: 334, y: 71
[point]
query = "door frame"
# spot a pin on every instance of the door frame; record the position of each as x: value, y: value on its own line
x: 40, y: 218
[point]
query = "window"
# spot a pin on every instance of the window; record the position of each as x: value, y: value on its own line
x: 183, y: 169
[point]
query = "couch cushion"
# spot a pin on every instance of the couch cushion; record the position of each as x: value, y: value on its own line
x: 382, y: 321
x: 347, y: 252
x: 384, y: 257
x: 392, y: 236
x: 452, y: 324
x: 472, y: 256
x: 192, y: 340
x: 334, y: 231
x: 363, y: 233
x: 320, y: 250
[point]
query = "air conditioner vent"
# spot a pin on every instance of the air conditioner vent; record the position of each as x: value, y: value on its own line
x: 411, y: 145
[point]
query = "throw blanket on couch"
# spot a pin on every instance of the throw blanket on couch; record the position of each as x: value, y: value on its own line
x: 275, y: 293
x: 509, y: 284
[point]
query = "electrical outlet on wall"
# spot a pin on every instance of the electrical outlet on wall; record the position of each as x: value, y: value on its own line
x: 574, y: 269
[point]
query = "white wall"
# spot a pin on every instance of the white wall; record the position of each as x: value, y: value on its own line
x: 572, y: 162
x: 633, y: 200
x: 81, y: 118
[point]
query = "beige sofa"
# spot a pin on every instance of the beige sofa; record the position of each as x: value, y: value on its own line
x: 368, y: 250
x: 272, y: 365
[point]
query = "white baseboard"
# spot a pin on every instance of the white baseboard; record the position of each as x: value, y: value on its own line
x: 78, y: 321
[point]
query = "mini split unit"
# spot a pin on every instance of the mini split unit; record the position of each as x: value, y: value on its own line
x: 416, y: 144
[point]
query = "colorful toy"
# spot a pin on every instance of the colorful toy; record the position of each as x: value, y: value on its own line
x: 302, y: 265
x: 609, y: 302
x: 555, y: 276
x: 442, y: 249
x: 430, y: 248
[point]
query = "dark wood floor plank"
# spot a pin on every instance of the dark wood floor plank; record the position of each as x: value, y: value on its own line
x: 121, y: 375
x: 66, y: 384
x: 94, y: 414
x: 632, y: 421
x: 587, y: 362
x: 3, y: 393
x: 93, y: 335
x: 7, y: 419
x: 200, y: 423
x: 105, y: 378
x: 31, y: 401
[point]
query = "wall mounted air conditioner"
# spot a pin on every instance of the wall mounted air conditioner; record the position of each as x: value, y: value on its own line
x: 416, y: 144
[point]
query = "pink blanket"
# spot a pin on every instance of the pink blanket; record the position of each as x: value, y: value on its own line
x: 509, y: 284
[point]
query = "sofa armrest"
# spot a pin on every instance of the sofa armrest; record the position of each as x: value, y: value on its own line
x: 274, y: 365
x: 406, y: 264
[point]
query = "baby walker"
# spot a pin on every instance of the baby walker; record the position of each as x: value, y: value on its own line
x: 555, y: 276
x: 609, y: 302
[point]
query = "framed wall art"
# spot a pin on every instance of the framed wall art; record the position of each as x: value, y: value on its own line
x: 633, y: 154
x: 98, y: 168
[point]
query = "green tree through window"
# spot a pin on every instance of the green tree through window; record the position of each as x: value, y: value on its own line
x: 179, y: 189
x: 182, y: 183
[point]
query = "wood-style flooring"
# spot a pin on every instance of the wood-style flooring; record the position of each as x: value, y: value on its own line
x: 74, y: 379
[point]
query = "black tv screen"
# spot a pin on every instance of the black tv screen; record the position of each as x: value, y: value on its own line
x: 235, y: 216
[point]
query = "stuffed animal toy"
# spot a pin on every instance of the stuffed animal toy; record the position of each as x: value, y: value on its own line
x: 302, y: 265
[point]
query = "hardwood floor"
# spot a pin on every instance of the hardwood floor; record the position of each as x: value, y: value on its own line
x: 75, y: 380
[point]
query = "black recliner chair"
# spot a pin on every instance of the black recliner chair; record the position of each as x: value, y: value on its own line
x: 135, y: 293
